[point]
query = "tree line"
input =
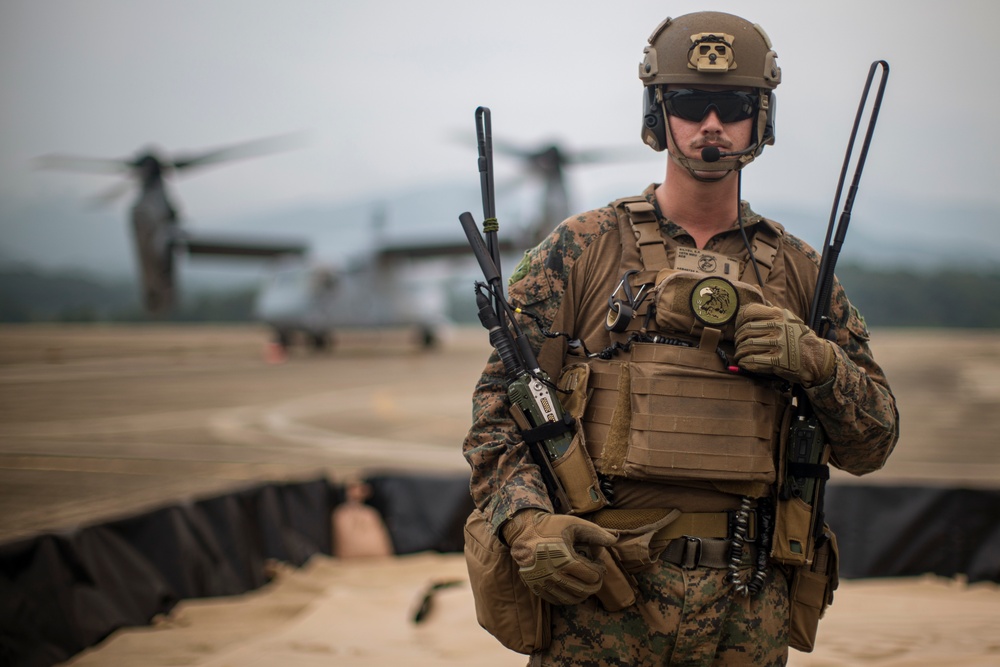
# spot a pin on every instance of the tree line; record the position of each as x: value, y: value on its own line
x: 898, y: 297
x: 887, y: 297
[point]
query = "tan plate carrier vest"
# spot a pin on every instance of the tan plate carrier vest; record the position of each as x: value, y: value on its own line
x: 665, y: 412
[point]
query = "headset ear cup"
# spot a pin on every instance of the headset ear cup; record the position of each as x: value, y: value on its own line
x: 654, y: 125
x: 768, y: 137
x: 763, y: 126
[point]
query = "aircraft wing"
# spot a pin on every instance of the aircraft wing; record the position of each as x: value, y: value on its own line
x: 426, y: 251
x: 239, y: 246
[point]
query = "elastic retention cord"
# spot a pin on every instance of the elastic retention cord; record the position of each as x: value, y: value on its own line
x: 743, y: 231
x: 490, y: 225
x: 573, y: 343
x: 739, y: 540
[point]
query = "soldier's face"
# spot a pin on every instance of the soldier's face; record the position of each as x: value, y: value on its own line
x: 693, y: 135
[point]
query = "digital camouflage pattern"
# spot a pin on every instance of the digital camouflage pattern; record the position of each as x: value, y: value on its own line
x: 567, y: 279
x: 686, y: 617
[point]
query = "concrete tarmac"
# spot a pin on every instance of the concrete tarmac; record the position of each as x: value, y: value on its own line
x: 99, y: 422
x: 102, y: 422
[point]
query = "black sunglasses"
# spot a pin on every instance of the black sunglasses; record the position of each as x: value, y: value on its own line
x: 694, y: 105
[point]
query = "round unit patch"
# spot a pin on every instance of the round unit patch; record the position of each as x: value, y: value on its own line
x: 714, y: 301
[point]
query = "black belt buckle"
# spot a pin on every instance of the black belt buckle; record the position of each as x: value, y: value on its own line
x: 691, y: 556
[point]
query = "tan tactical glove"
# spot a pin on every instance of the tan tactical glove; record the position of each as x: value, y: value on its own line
x: 774, y: 340
x: 547, y: 548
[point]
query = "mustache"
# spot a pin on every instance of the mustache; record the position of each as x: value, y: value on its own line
x: 721, y: 144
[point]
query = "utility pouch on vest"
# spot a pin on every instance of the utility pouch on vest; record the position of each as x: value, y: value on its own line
x: 686, y: 302
x: 812, y: 592
x: 519, y: 619
x: 574, y: 469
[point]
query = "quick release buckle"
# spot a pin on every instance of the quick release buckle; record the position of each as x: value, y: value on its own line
x: 692, y: 552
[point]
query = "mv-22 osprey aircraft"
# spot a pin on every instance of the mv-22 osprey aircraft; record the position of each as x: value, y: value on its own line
x: 394, y: 285
x: 409, y: 282
x: 157, y: 230
x: 300, y: 299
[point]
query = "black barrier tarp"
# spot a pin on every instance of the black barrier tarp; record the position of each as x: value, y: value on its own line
x: 63, y: 592
x: 894, y: 531
x: 423, y: 513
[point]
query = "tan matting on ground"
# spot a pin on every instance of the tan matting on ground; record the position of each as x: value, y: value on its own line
x: 359, y: 612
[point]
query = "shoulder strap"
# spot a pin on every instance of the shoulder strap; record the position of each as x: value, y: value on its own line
x: 765, y: 245
x: 643, y: 249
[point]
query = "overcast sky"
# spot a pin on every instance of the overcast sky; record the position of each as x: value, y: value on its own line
x: 382, y: 88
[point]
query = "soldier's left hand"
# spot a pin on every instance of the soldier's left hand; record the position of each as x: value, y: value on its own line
x: 774, y: 340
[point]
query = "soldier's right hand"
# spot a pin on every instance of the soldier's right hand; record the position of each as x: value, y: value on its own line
x: 547, y: 547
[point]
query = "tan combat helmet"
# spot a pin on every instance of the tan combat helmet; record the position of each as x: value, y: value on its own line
x: 708, y: 48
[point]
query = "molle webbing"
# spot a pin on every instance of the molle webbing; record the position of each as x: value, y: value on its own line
x: 652, y: 253
x: 675, y: 412
x: 668, y: 412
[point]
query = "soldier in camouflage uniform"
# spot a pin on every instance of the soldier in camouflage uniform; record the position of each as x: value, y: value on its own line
x: 709, y: 81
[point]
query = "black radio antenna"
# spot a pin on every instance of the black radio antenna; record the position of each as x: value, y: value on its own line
x: 819, y: 314
x: 806, y: 471
x: 484, y: 135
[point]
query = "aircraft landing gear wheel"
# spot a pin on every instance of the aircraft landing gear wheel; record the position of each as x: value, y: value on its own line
x: 427, y: 338
x: 321, y: 342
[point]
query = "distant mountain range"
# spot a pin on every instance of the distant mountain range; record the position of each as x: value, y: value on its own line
x: 886, y: 297
x: 904, y: 263
x: 60, y: 234
x: 71, y: 257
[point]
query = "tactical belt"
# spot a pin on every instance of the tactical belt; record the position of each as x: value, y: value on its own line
x: 692, y: 552
x: 713, y: 525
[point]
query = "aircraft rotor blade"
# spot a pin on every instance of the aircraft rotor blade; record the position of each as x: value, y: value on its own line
x: 240, y: 151
x: 596, y: 155
x: 110, y: 195
x: 84, y: 164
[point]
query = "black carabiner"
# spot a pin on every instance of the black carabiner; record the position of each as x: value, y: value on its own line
x: 621, y: 311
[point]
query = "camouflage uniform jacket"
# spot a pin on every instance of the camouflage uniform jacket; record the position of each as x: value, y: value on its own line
x: 566, y: 280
